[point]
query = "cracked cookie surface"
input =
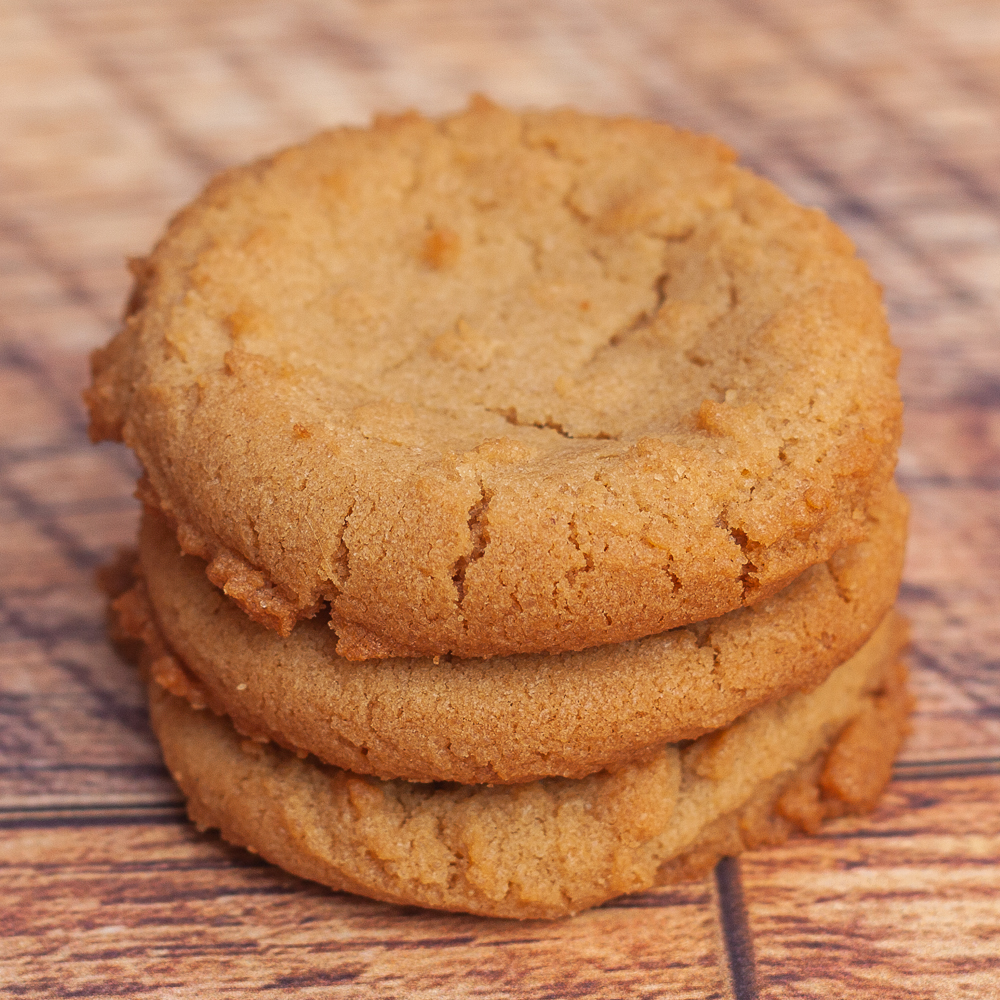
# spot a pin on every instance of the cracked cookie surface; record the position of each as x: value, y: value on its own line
x: 551, y: 847
x: 502, y: 383
x: 507, y: 719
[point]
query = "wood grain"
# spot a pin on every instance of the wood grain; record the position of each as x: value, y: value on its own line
x: 901, y: 905
x: 137, y: 908
x: 115, y: 112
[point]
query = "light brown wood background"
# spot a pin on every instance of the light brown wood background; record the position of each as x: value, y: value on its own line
x: 113, y: 113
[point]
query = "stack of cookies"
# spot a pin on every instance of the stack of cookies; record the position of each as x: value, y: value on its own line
x: 519, y: 520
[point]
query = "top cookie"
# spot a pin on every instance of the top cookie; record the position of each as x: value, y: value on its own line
x: 502, y: 383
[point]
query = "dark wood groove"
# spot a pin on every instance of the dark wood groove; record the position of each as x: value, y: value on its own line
x: 967, y: 682
x: 968, y: 767
x: 67, y: 278
x: 72, y: 445
x: 172, y: 814
x: 55, y: 990
x: 75, y: 552
x: 736, y: 929
x: 134, y: 770
x: 110, y: 704
x: 51, y: 510
x: 343, y: 45
x: 17, y: 356
x: 941, y: 481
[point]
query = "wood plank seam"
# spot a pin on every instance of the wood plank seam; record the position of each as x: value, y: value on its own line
x: 735, y: 925
x: 40, y: 818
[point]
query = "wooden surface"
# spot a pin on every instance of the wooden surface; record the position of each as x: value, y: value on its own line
x: 113, y: 113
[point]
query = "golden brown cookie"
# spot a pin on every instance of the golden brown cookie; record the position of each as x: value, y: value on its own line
x: 503, y: 383
x: 516, y: 718
x: 555, y: 846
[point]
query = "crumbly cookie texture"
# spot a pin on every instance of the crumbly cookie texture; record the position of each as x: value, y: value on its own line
x: 502, y: 383
x: 510, y: 719
x: 550, y: 847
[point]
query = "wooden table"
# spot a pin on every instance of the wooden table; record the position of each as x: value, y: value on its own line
x: 114, y: 112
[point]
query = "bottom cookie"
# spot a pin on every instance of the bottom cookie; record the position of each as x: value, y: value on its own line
x: 554, y: 846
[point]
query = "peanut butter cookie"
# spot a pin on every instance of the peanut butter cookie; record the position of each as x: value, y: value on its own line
x: 502, y: 383
x: 556, y: 846
x: 507, y: 719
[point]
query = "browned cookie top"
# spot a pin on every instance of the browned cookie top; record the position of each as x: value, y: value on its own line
x: 503, y: 383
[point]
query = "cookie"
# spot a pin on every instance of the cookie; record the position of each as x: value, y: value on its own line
x: 502, y: 383
x: 508, y: 719
x: 555, y: 846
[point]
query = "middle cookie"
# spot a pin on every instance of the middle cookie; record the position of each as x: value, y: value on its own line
x: 507, y: 719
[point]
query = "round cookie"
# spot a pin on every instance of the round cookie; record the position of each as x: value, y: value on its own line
x: 502, y: 383
x: 555, y: 846
x: 511, y: 719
